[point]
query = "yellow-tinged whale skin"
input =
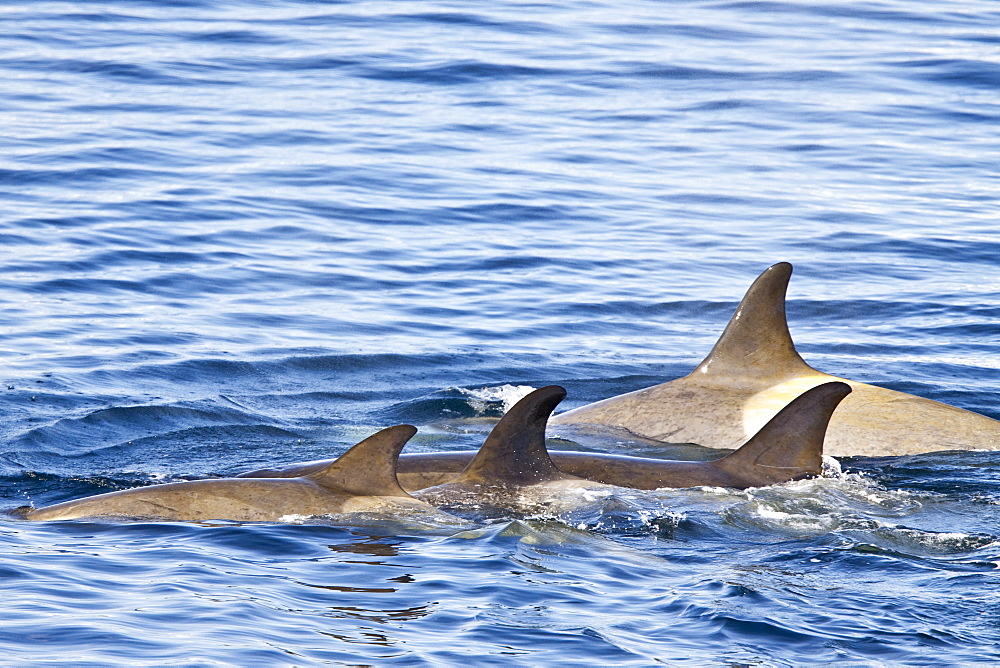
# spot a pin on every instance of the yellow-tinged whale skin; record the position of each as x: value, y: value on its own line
x: 362, y: 479
x: 754, y: 370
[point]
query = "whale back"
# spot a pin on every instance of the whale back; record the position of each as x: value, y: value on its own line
x: 369, y: 467
x: 514, y: 453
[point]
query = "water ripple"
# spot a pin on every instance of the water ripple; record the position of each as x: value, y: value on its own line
x: 243, y: 235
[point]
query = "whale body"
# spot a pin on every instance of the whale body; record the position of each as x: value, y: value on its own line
x: 788, y: 447
x: 512, y: 470
x: 362, y: 479
x: 754, y: 370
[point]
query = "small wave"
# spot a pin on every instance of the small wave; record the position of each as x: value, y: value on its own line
x: 507, y: 395
x: 457, y: 403
x: 119, y: 424
x: 918, y: 542
x: 820, y: 505
x: 617, y: 514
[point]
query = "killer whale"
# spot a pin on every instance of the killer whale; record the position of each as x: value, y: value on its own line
x: 361, y: 479
x: 512, y: 469
x: 754, y: 369
x: 789, y: 447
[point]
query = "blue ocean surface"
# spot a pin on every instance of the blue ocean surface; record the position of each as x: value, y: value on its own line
x: 240, y: 234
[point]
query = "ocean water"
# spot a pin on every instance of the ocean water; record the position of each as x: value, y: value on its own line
x: 236, y: 234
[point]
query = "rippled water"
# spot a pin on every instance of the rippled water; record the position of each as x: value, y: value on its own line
x: 240, y: 234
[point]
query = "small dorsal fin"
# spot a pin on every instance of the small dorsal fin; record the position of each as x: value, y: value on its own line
x: 368, y: 468
x: 756, y: 342
x: 514, y: 453
x: 792, y: 439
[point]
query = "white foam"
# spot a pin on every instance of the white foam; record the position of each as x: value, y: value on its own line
x: 151, y: 475
x: 594, y: 494
x: 508, y: 394
x: 831, y: 467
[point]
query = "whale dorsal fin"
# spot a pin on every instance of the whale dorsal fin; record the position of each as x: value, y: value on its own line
x: 368, y: 468
x: 756, y: 342
x: 514, y: 453
x: 792, y: 439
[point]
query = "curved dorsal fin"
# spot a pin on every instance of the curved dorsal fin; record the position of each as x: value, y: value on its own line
x: 514, y: 453
x: 756, y: 342
x: 368, y: 468
x: 792, y: 439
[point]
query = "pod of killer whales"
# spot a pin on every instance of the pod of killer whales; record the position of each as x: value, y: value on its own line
x: 753, y: 394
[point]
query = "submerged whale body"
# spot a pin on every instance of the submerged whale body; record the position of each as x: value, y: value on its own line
x: 754, y: 370
x: 362, y: 479
x: 788, y: 447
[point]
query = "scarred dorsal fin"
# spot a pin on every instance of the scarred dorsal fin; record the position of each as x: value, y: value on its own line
x: 792, y: 439
x: 756, y: 342
x: 368, y: 468
x: 514, y: 453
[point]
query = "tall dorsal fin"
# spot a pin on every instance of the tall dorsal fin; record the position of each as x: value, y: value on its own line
x: 756, y: 342
x: 368, y: 468
x: 514, y: 453
x: 792, y: 439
